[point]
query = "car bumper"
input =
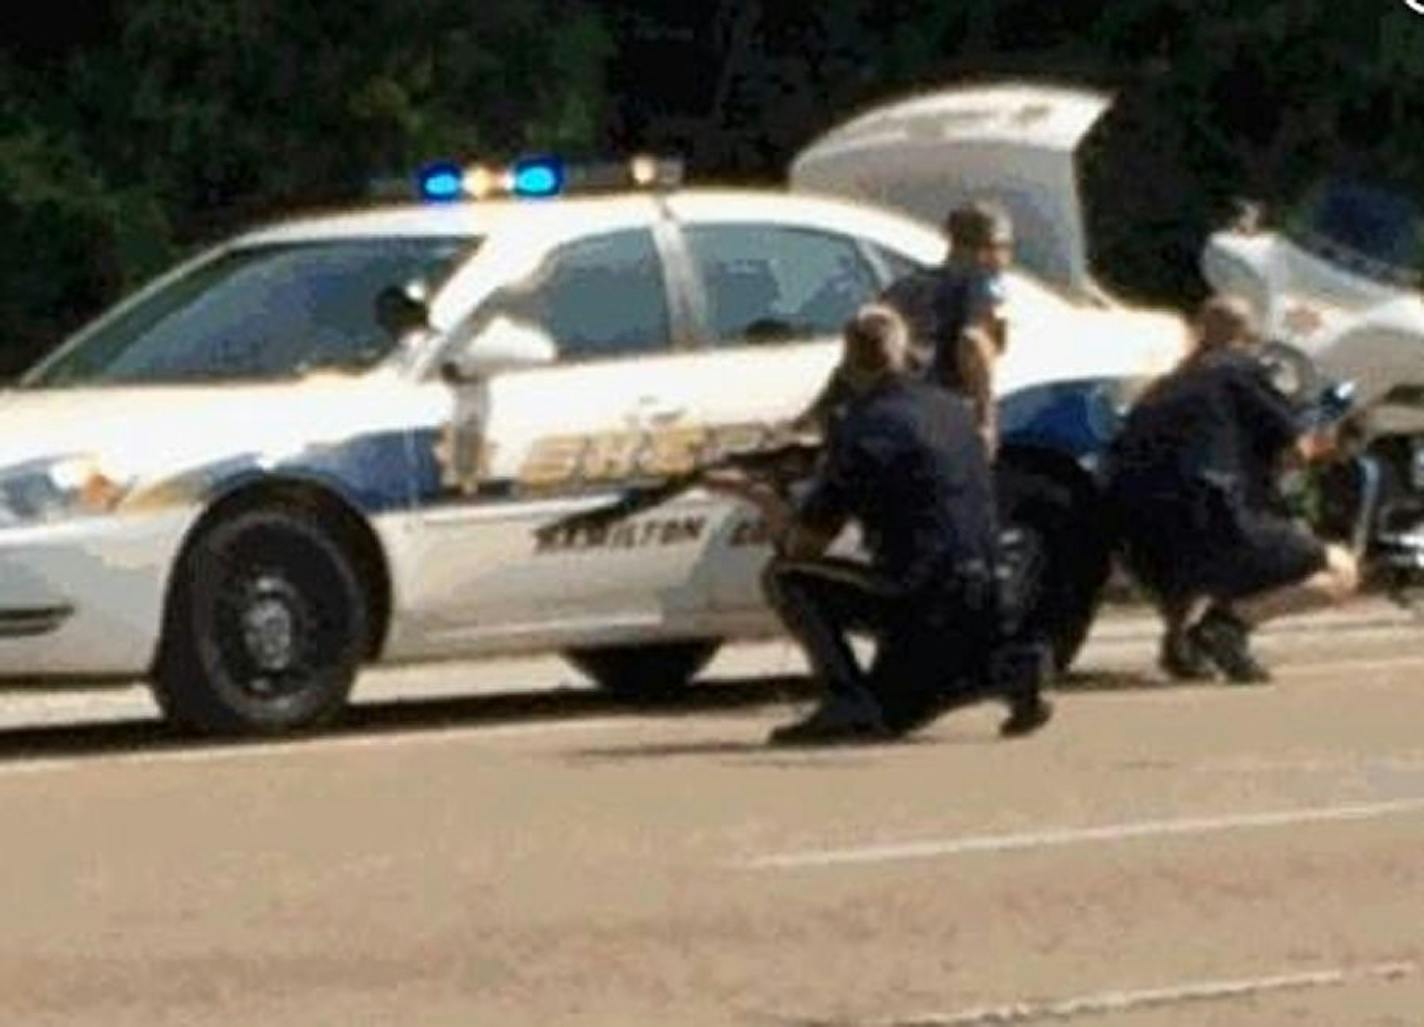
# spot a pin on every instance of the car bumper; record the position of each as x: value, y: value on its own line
x: 85, y: 598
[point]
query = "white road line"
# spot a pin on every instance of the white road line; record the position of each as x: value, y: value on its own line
x: 1285, y: 674
x: 1280, y: 641
x: 300, y: 747
x: 1079, y: 836
x: 1384, y: 663
x: 1128, y: 1001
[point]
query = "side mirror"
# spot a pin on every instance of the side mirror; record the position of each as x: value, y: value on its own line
x: 503, y: 345
x: 402, y: 308
x: 1292, y: 371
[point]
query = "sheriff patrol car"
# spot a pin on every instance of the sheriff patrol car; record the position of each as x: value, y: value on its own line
x: 336, y: 440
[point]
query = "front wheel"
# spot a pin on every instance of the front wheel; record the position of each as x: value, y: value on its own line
x: 265, y: 628
x: 1062, y: 537
x: 643, y: 672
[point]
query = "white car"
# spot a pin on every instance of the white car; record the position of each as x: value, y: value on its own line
x: 242, y: 484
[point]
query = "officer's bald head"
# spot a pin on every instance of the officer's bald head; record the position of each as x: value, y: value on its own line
x: 980, y: 231
x: 876, y: 345
x: 1226, y: 320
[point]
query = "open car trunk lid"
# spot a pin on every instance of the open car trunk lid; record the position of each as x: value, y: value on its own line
x: 1012, y: 143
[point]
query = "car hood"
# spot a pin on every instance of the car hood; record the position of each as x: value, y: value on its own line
x: 151, y: 432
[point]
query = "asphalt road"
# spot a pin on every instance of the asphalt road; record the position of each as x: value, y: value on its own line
x: 497, y: 844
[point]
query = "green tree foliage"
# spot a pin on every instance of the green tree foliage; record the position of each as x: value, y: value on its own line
x: 151, y: 125
x: 201, y: 116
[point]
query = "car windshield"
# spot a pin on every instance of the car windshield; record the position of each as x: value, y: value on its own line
x: 1374, y: 231
x: 254, y: 313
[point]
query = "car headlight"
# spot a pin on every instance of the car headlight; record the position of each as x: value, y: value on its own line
x: 44, y: 491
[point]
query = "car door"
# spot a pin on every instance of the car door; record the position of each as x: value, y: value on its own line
x: 771, y: 298
x: 533, y: 445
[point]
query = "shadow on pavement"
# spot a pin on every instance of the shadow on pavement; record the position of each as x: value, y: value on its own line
x: 790, y: 756
x: 402, y: 715
x: 425, y: 714
x: 1117, y: 681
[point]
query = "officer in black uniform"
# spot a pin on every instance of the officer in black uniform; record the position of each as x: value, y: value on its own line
x: 1193, y: 478
x: 955, y: 316
x: 904, y: 461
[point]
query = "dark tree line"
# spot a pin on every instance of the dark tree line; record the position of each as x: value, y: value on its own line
x: 134, y: 130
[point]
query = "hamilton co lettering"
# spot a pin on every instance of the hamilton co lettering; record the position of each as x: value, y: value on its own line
x: 648, y: 533
x: 641, y: 534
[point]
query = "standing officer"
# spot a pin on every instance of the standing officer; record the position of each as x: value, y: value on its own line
x: 1194, y: 481
x: 903, y: 460
x: 955, y: 316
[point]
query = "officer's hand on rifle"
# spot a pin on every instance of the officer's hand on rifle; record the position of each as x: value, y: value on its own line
x: 790, y: 537
x: 760, y: 494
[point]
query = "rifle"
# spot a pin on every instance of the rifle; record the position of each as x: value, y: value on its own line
x: 783, y: 464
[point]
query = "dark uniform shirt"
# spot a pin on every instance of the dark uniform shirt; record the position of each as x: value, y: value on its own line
x: 1218, y: 419
x: 936, y: 303
x: 1193, y: 483
x: 905, y: 461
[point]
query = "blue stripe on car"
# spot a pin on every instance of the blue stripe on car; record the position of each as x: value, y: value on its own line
x: 1079, y: 418
x: 374, y: 472
x: 394, y: 470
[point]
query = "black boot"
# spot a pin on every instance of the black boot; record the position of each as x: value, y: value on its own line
x: 839, y: 718
x: 1226, y: 640
x: 1183, y: 659
x: 1021, y: 672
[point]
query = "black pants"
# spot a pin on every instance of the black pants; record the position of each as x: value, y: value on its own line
x: 930, y: 647
x: 1205, y: 541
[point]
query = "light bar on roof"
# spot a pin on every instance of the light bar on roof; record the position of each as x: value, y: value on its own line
x: 546, y: 176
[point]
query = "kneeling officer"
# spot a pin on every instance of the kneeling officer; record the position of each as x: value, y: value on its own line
x: 1193, y: 479
x: 906, y: 462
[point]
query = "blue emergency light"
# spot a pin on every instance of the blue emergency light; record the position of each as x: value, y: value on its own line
x: 443, y: 180
x: 538, y: 176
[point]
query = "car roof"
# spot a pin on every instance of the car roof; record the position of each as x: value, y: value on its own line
x: 833, y: 213
x: 464, y: 219
x: 487, y: 217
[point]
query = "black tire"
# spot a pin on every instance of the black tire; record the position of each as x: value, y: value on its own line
x: 1063, y: 531
x: 265, y: 628
x: 644, y: 672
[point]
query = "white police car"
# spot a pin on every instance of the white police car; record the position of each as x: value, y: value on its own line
x: 251, y: 477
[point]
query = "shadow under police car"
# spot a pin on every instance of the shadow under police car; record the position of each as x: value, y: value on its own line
x: 462, y: 712
x: 399, y: 715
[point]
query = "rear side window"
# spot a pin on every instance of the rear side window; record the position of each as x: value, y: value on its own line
x: 602, y: 296
x: 769, y: 283
x: 897, y: 264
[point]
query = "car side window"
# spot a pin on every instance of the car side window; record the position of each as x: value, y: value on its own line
x: 602, y: 296
x: 771, y: 283
x: 896, y: 263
